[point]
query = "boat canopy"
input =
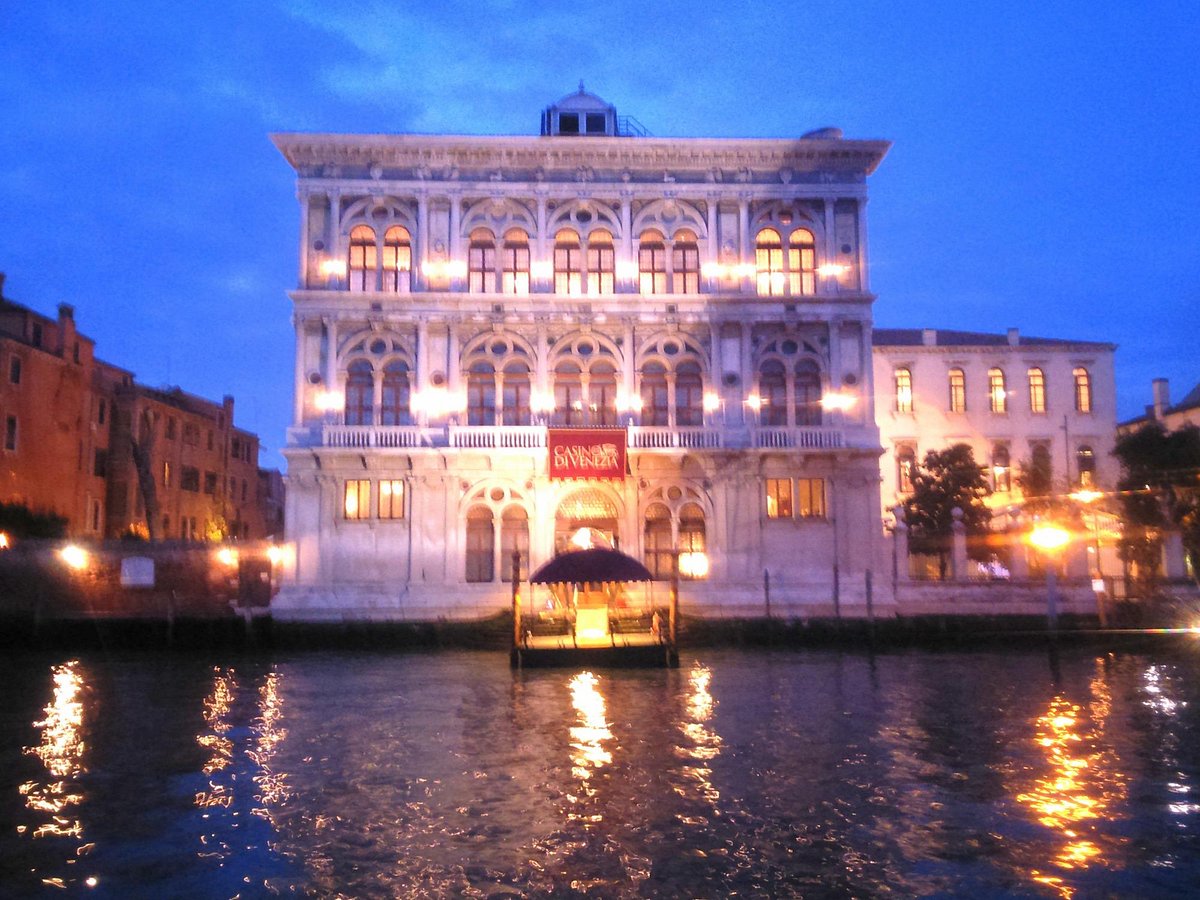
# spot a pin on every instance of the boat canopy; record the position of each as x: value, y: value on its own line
x: 595, y: 566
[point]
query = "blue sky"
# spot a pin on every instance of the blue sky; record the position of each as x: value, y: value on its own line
x: 1043, y: 173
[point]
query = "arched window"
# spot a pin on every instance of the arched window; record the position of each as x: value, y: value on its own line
x: 904, y: 393
x: 768, y: 262
x: 685, y: 263
x: 997, y: 391
x: 481, y: 394
x: 568, y: 263
x: 514, y: 537
x: 514, y: 263
x: 655, y: 399
x: 772, y: 393
x: 1083, y: 389
x: 1037, y: 390
x: 689, y: 395
x: 1085, y: 463
x: 958, y: 391
x: 397, y: 260
x: 1039, y: 457
x: 652, y: 263
x: 360, y: 393
x: 802, y: 262
x: 1001, y: 469
x: 657, y: 541
x: 481, y: 262
x: 692, y: 540
x: 906, y: 464
x: 480, y: 545
x: 601, y: 262
x: 396, y: 408
x: 602, y: 394
x: 568, y: 394
x: 807, y: 390
x: 516, y: 410
x: 362, y: 258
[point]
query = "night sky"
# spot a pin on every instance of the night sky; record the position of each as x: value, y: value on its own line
x: 1044, y: 172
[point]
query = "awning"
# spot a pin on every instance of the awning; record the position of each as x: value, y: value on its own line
x: 596, y: 565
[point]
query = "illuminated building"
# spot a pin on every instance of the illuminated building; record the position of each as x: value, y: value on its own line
x: 68, y: 418
x: 1013, y: 399
x: 464, y: 302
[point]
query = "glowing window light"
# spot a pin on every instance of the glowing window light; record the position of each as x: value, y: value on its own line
x: 713, y: 270
x: 330, y: 401
x: 1049, y: 538
x: 74, y: 556
x: 542, y: 269
x: 693, y: 564
x: 4, y: 542
x: 333, y: 268
x: 837, y: 400
x: 627, y: 270
x: 832, y: 270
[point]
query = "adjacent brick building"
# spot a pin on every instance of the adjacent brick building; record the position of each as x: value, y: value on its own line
x: 69, y: 423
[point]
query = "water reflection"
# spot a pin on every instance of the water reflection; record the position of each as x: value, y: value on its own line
x: 216, y: 739
x: 703, y: 744
x: 587, y: 738
x: 1082, y: 782
x: 61, y: 751
x: 268, y: 734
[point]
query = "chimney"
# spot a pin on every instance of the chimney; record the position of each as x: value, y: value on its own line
x: 1014, y: 337
x: 929, y: 337
x: 1161, y: 392
x: 66, y: 329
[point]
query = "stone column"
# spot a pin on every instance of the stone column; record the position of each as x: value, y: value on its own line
x: 958, y: 546
x: 745, y: 251
x: 422, y: 240
x: 900, y: 544
x: 828, y: 253
x: 331, y: 353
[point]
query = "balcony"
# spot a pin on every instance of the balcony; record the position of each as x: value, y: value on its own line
x: 533, y: 437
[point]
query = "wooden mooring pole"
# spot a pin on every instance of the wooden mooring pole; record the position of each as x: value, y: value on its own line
x: 515, y: 658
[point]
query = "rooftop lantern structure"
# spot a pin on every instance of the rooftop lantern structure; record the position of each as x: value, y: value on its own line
x: 584, y: 114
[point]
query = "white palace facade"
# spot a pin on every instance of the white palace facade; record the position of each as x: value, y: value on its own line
x: 503, y: 340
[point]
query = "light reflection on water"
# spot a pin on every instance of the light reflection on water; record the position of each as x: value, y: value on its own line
x: 771, y: 774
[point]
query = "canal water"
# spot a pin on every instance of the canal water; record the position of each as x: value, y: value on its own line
x: 750, y: 774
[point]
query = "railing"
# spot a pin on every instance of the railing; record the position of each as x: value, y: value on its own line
x: 799, y: 438
x: 520, y: 437
x: 657, y: 437
x: 533, y: 437
x: 363, y: 436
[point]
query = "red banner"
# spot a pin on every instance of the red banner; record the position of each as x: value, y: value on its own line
x: 587, y: 452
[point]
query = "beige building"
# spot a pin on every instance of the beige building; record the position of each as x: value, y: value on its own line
x: 1172, y: 416
x: 503, y: 340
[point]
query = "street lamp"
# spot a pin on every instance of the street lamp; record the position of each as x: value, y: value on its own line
x: 1048, y: 539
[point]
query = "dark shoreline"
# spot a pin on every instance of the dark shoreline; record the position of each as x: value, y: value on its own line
x: 234, y: 633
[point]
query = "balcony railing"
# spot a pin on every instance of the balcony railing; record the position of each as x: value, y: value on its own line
x: 799, y: 438
x: 533, y: 437
x: 498, y: 437
x: 363, y: 436
x: 655, y: 437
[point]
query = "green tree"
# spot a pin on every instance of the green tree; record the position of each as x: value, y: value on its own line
x: 945, y: 480
x: 1160, y: 484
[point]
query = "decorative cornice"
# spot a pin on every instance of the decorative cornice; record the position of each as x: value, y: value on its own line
x: 716, y: 158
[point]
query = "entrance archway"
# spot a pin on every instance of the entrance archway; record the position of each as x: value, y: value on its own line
x: 586, y: 508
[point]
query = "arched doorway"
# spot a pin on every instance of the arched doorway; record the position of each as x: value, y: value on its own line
x: 586, y: 508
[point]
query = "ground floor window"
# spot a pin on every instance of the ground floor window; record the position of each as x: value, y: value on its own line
x: 657, y: 541
x: 779, y: 498
x: 391, y: 499
x: 356, y: 501
x: 810, y: 498
x: 480, y: 562
x: 693, y: 555
x: 514, y: 538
